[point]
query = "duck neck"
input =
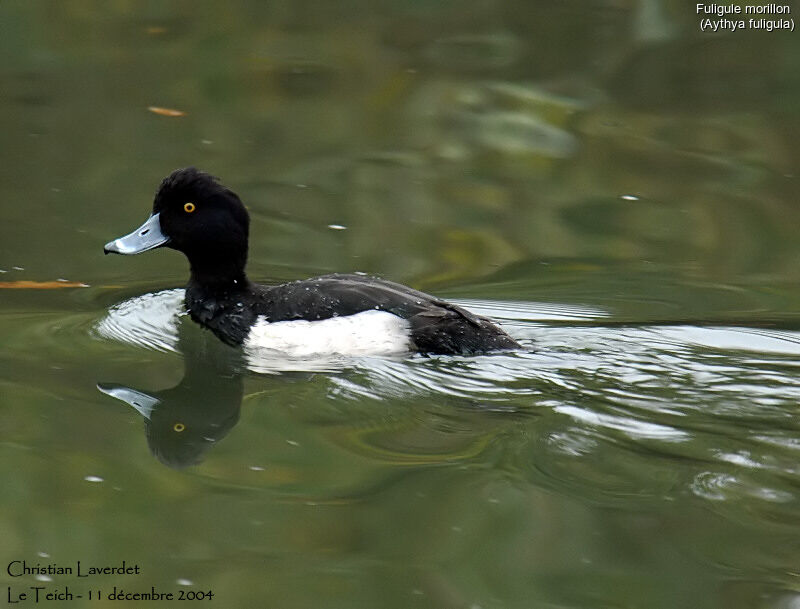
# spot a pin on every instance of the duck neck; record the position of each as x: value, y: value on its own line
x: 218, y: 285
x: 217, y: 278
x: 215, y: 297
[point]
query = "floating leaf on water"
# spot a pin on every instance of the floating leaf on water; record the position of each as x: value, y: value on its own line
x: 165, y: 111
x: 520, y: 133
x: 536, y: 96
x: 41, y: 285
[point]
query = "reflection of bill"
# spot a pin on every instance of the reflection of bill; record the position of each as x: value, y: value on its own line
x: 183, y: 422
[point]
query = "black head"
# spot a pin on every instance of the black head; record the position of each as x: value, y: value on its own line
x: 195, y: 214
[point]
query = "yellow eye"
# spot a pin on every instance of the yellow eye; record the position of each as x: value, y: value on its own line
x: 179, y: 427
x: 189, y: 207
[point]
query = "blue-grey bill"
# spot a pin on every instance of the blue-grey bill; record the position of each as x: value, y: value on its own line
x: 147, y: 237
x: 142, y: 402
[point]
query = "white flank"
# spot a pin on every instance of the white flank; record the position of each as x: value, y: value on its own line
x: 366, y: 333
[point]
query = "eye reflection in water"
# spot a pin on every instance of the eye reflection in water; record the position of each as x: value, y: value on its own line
x: 182, y: 423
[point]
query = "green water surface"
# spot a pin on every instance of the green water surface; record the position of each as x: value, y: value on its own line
x: 614, y: 186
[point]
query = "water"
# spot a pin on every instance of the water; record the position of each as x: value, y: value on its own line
x: 615, y: 187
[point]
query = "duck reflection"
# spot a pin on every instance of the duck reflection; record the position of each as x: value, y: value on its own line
x: 182, y: 423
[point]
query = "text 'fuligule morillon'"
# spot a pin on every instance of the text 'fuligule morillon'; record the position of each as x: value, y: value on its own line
x: 721, y: 10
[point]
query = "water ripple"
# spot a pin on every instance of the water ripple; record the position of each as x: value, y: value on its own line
x: 149, y: 321
x: 601, y: 409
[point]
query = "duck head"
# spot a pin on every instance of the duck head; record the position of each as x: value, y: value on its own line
x: 194, y: 214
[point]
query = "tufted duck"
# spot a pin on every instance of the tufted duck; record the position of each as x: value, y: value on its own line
x: 341, y: 313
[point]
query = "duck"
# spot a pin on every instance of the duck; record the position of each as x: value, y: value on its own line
x: 340, y: 313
